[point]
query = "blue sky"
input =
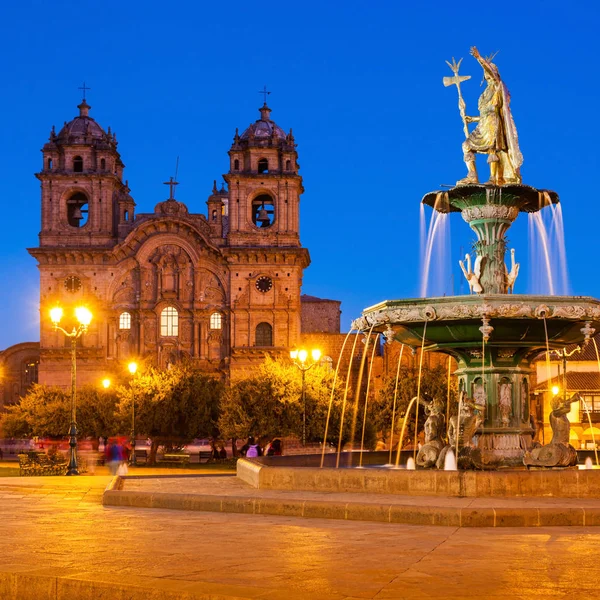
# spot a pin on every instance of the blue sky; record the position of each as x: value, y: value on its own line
x: 360, y: 83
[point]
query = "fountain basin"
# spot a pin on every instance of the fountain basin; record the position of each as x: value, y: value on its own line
x: 494, y: 338
x: 280, y: 473
x: 451, y: 323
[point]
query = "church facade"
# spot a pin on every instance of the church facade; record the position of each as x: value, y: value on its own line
x: 220, y: 289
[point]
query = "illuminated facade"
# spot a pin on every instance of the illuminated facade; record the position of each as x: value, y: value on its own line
x: 221, y: 289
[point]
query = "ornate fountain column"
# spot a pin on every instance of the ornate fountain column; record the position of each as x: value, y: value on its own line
x: 490, y: 219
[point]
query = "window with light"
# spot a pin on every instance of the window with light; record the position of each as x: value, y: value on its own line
x: 216, y: 321
x: 169, y: 322
x: 124, y: 320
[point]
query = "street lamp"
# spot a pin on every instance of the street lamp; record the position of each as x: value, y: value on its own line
x: 132, y: 366
x: 84, y: 318
x: 300, y: 357
x: 564, y: 354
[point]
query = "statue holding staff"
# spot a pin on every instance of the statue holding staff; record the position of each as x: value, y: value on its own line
x: 495, y: 133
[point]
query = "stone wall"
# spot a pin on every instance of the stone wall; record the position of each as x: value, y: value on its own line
x: 320, y: 315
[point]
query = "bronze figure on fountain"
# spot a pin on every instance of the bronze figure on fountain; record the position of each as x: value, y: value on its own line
x: 559, y: 452
x: 434, y: 432
x: 495, y: 133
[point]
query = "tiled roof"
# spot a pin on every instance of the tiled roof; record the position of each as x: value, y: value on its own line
x: 587, y: 353
x: 583, y: 381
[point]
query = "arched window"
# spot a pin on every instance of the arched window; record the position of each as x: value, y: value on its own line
x: 103, y: 164
x: 124, y: 320
x: 126, y: 215
x: 288, y: 165
x: 236, y: 165
x: 77, y: 209
x: 78, y: 164
x: 263, y: 211
x: 50, y: 164
x: 263, y: 165
x: 327, y: 362
x: 216, y: 321
x: 31, y: 372
x: 264, y: 335
x: 214, y: 215
x: 169, y: 322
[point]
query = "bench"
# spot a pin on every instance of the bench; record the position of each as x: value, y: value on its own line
x: 205, y: 456
x: 175, y: 459
x: 141, y: 454
x: 33, y: 464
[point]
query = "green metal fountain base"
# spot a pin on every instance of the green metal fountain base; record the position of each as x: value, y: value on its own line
x: 498, y: 370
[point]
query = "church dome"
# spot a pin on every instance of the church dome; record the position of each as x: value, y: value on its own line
x: 82, y: 129
x: 263, y: 129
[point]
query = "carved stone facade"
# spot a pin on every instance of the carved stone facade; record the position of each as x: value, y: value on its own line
x: 221, y: 290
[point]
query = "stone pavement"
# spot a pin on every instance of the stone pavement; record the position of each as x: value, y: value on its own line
x: 231, y: 495
x: 59, y: 542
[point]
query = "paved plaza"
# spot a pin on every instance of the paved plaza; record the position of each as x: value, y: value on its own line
x: 58, y: 541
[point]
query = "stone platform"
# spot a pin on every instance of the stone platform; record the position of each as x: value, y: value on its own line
x: 299, y: 473
x: 233, y: 495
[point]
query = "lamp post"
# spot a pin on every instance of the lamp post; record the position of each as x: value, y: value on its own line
x: 299, y: 358
x: 564, y: 354
x: 84, y: 318
x: 132, y: 366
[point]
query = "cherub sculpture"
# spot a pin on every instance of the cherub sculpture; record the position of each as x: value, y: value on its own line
x: 464, y: 426
x: 472, y: 276
x: 434, y: 431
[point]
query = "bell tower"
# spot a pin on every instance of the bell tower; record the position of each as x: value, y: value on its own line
x: 264, y: 185
x: 84, y: 199
x: 266, y: 260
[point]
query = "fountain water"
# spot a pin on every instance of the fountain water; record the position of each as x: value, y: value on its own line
x: 337, y: 367
x: 339, y: 447
x: 419, y: 394
x: 394, y: 404
x: 437, y: 245
x: 362, y: 439
x: 587, y: 410
x: 358, y: 391
x: 449, y: 461
x: 404, y: 422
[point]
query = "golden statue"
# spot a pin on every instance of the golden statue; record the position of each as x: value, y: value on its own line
x: 495, y: 133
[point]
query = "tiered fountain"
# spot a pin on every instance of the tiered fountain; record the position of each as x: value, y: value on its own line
x: 494, y: 336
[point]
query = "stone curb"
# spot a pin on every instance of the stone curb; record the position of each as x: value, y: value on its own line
x: 555, y: 516
x: 18, y: 583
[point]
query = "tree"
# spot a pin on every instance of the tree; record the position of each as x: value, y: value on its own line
x: 45, y: 411
x: 171, y: 407
x: 434, y: 382
x: 269, y: 403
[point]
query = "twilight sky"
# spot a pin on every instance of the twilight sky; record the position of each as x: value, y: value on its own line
x: 360, y: 83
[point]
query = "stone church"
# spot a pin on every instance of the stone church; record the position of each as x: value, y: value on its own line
x: 221, y: 289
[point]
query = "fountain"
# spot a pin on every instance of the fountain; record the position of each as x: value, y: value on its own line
x: 493, y: 333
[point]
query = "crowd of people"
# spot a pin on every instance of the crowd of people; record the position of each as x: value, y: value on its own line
x: 252, y: 448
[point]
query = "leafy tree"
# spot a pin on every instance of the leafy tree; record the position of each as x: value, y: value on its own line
x: 46, y: 412
x: 172, y: 407
x: 268, y: 403
x: 434, y: 382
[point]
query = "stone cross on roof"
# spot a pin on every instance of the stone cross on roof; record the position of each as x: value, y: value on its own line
x: 84, y: 88
x: 171, y: 183
x: 265, y: 93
